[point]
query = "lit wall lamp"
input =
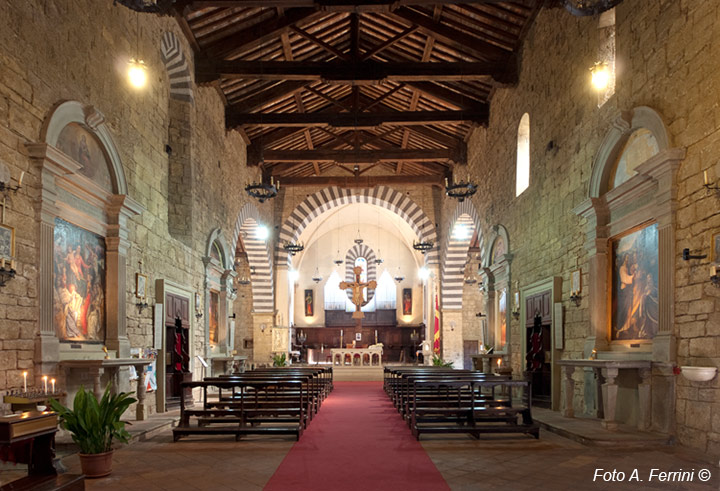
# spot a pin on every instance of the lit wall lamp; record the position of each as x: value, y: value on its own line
x: 600, y: 75
x: 714, y: 278
x: 142, y: 304
x: 575, y: 298
x: 5, y: 182
x: 7, y: 271
x: 708, y: 186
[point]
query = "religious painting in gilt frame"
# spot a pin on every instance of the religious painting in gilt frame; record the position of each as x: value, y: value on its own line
x: 7, y: 242
x: 213, y: 316
x: 634, y: 285
x: 79, y: 276
x: 714, y: 248
x: 309, y: 303
x: 79, y: 143
x: 407, y: 301
x: 502, y: 319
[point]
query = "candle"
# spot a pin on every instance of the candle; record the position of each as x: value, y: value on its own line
x: 713, y: 270
x: 12, y: 264
x: 499, y: 362
x: 705, y: 178
x: 45, y: 379
x: 375, y: 336
x: 2, y: 263
x: 53, y: 385
x: 25, y: 381
x: 22, y: 174
x: 446, y: 182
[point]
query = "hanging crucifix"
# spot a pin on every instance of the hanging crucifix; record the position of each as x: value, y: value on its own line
x: 357, y: 289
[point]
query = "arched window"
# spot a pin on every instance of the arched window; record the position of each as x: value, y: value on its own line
x: 335, y: 298
x: 362, y: 262
x: 386, y: 292
x: 522, y: 178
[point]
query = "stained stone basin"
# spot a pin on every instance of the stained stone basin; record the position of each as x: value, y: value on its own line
x: 699, y: 374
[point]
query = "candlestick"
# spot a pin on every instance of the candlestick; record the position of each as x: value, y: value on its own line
x: 705, y: 178
x: 22, y: 174
x: 25, y: 381
x: 52, y: 381
x: 45, y: 379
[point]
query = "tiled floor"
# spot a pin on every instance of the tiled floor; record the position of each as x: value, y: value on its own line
x: 508, y: 463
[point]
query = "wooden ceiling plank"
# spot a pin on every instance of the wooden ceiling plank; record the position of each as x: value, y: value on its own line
x: 330, y: 49
x: 331, y: 100
x: 268, y: 96
x: 363, y: 181
x: 357, y: 156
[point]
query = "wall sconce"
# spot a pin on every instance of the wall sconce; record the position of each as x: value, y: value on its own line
x: 516, y: 314
x: 142, y: 305
x: 7, y: 271
x: 714, y: 278
x: 263, y: 327
x: 686, y: 255
x: 479, y: 315
x: 575, y: 298
x: 5, y: 180
x: 481, y: 287
x: 708, y: 186
x: 600, y: 75
x: 198, y: 315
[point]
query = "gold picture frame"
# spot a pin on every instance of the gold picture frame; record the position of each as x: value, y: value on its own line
x: 7, y: 242
x: 140, y: 285
x: 715, y: 248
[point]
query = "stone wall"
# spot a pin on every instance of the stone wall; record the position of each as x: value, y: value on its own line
x: 54, y: 51
x: 666, y: 54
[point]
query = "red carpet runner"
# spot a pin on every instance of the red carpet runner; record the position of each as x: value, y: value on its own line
x: 357, y: 441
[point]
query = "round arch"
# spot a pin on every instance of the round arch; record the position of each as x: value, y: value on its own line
x: 176, y: 64
x: 455, y: 251
x: 332, y: 197
x: 259, y: 257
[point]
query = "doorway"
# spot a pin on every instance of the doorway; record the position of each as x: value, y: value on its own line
x: 538, y: 347
x: 177, y: 348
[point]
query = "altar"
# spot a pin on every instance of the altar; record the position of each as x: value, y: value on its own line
x: 357, y: 357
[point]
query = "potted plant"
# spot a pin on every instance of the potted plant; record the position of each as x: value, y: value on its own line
x: 279, y: 360
x: 94, y: 425
x: 439, y: 362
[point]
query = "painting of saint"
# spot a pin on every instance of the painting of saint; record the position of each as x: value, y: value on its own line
x: 7, y: 242
x: 634, y: 287
x: 213, y: 320
x: 309, y: 307
x: 79, y: 143
x: 502, y: 319
x: 407, y: 301
x: 79, y: 294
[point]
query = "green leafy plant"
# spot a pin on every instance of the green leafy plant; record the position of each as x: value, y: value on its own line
x: 279, y: 360
x: 95, y: 424
x: 439, y: 362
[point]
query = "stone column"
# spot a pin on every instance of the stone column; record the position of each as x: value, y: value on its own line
x: 122, y: 208
x: 609, y: 392
x: 262, y: 337
x: 451, y: 336
x: 569, y: 387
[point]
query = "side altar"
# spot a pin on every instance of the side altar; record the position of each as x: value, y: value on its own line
x: 357, y: 357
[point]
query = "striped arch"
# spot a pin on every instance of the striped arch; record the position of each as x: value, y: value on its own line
x: 177, y: 67
x: 332, y: 197
x: 259, y: 258
x: 455, y: 251
x: 356, y: 251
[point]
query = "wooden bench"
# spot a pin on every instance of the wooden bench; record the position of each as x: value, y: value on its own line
x: 254, y: 408
x: 63, y: 482
x: 469, y: 406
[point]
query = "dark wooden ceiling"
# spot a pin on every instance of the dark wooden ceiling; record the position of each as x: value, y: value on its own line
x: 352, y: 93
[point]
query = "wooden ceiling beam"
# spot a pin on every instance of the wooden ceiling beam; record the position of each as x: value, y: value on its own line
x: 382, y: 46
x: 362, y: 181
x: 361, y: 156
x: 442, y: 95
x: 338, y: 5
x: 270, y: 95
x: 315, y: 40
x: 479, y: 115
x: 448, y: 35
x: 234, y: 44
x: 355, y: 73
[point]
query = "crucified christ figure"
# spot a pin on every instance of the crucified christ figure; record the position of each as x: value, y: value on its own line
x: 357, y: 289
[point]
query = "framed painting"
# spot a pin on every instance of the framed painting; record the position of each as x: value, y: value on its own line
x: 576, y: 286
x: 309, y: 303
x: 407, y: 301
x: 7, y: 242
x: 634, y: 285
x: 140, y: 285
x: 501, y: 335
x: 198, y: 302
x: 79, y: 277
x: 715, y: 248
x: 213, y: 317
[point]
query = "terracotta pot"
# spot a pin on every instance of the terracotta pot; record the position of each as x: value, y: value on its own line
x: 96, y: 465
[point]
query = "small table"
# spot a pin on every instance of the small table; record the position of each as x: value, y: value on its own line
x: 113, y: 365
x: 609, y: 370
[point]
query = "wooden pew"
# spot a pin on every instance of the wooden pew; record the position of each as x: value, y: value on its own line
x: 474, y: 408
x: 260, y: 408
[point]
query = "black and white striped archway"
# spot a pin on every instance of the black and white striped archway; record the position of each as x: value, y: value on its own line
x: 259, y: 257
x: 332, y: 197
x: 455, y: 252
x: 177, y: 68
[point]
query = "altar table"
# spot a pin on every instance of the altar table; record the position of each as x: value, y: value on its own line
x: 359, y: 357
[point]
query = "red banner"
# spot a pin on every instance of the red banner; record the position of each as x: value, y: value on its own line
x: 436, y: 336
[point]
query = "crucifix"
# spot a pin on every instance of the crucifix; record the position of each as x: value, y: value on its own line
x: 357, y: 295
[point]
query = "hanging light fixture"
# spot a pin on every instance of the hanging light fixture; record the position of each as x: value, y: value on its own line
x: 137, y: 70
x: 600, y: 75
x: 358, y: 240
x: 422, y: 246
x: 460, y: 190
x: 316, y: 277
x: 399, y: 276
x: 263, y: 191
x: 291, y: 246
